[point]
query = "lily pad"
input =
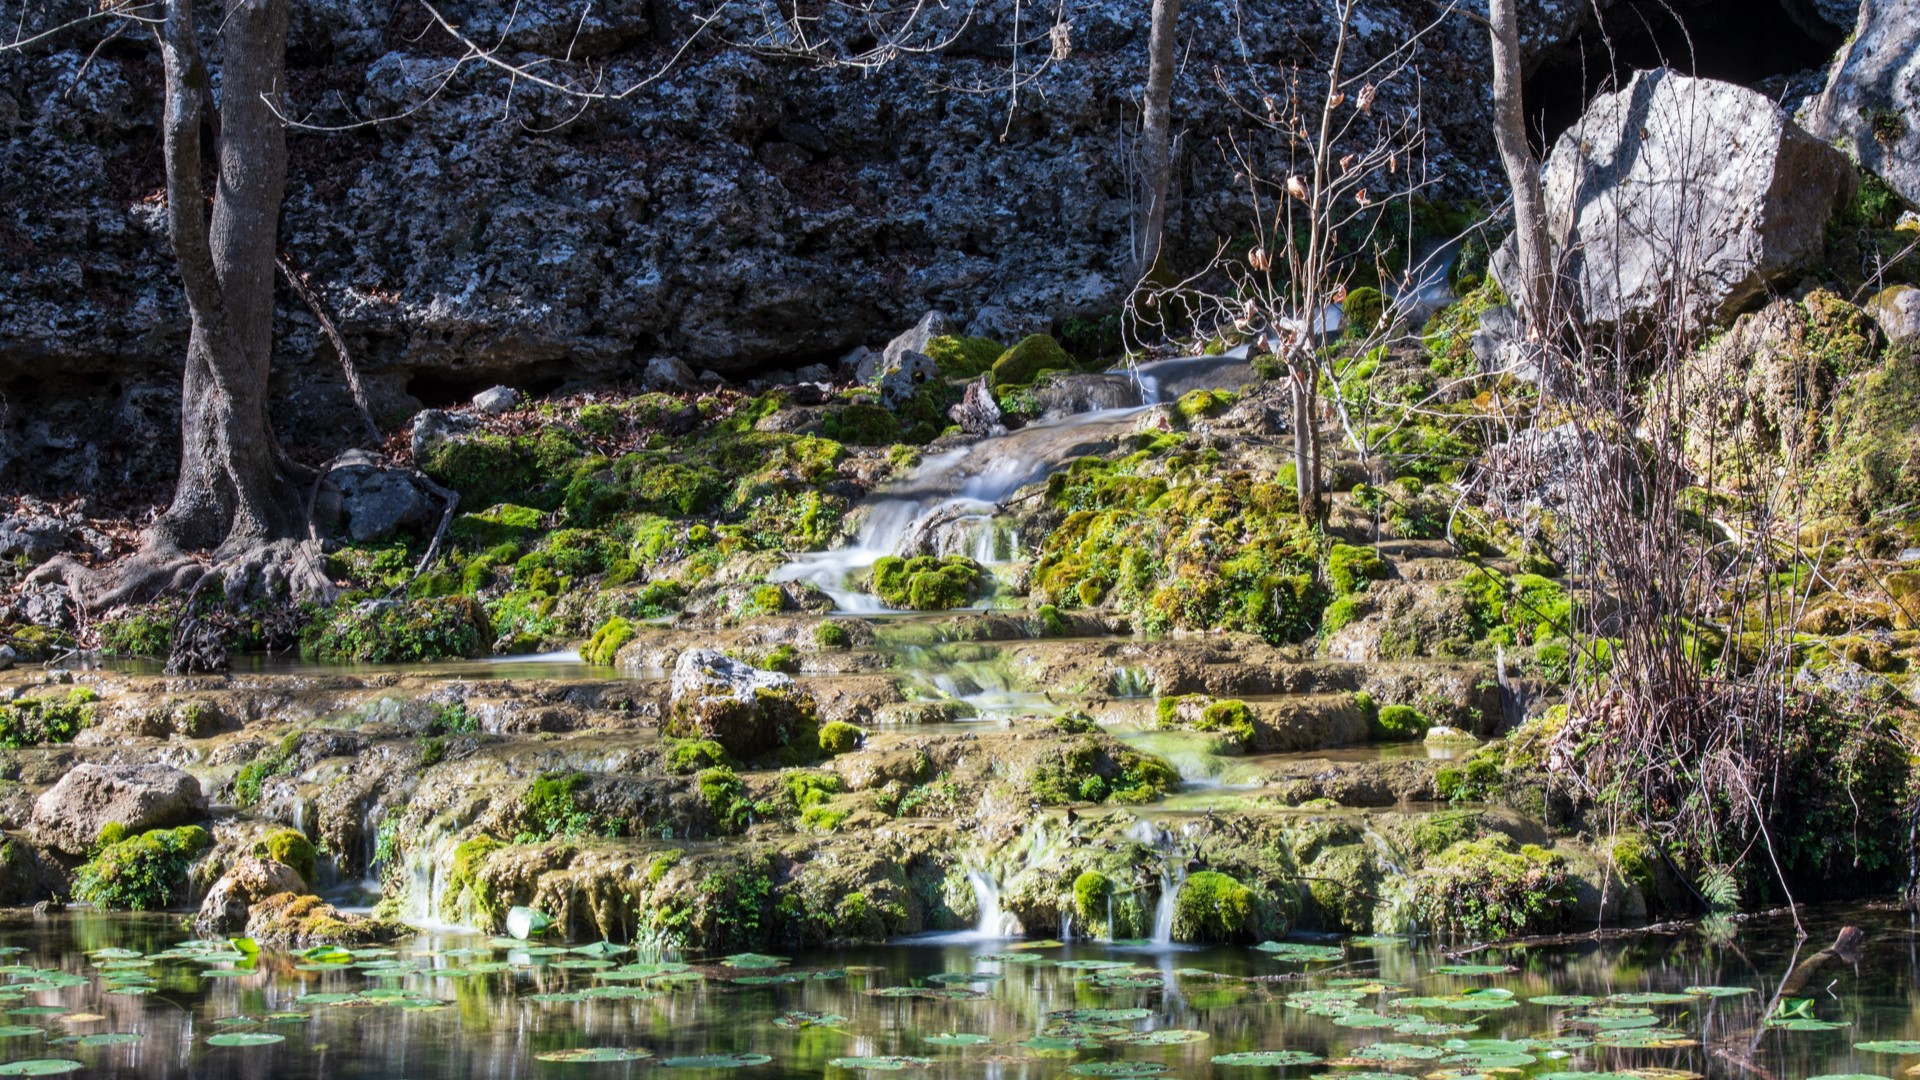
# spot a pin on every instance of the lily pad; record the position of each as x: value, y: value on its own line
x: 1472, y: 969
x: 755, y: 961
x: 41, y: 1067
x: 1563, y: 1001
x: 1651, y: 998
x: 1272, y: 1059
x: 20, y: 1031
x: 1160, y: 1037
x: 1803, y: 1024
x: 1101, y: 1016
x: 1719, y: 991
x: 1850, y: 1076
x: 1397, y: 1052
x: 799, y: 1020
x: 595, y: 1055
x: 1293, y: 950
x: 246, y: 1038
x: 881, y: 1064
x: 1895, y: 1046
x: 1119, y: 1068
x: 110, y: 1038
x: 959, y: 1039
x: 717, y: 1061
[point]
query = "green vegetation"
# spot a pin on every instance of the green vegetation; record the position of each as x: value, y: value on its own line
x: 464, y: 880
x: 290, y: 848
x: 1349, y: 569
x: 926, y: 583
x: 1230, y: 717
x: 1494, y: 888
x: 1092, y: 891
x: 1362, y: 311
x: 1034, y: 354
x: 1398, y: 723
x: 552, y: 807
x: 1098, y: 769
x: 274, y: 761
x: 410, y: 631
x: 146, y: 632
x: 726, y: 799
x: 1212, y: 907
x: 831, y: 635
x: 608, y: 640
x: 685, y: 757
x: 839, y: 738
x: 964, y: 357
x: 32, y: 721
x: 140, y: 873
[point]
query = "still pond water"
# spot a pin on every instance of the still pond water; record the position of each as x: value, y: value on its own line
x: 128, y: 996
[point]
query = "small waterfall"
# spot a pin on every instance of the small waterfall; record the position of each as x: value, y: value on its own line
x: 992, y: 922
x: 1131, y: 682
x: 1169, y: 895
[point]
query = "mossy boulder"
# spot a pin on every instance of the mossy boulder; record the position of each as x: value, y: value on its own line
x: 1023, y: 363
x: 1362, y: 311
x: 1493, y: 887
x: 1350, y: 568
x: 147, y: 872
x: 401, y: 631
x: 607, y: 641
x: 289, y: 848
x: 964, y: 357
x: 749, y: 712
x: 926, y: 583
x: 1212, y: 906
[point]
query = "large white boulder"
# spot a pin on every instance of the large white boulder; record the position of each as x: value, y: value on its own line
x: 1871, y: 106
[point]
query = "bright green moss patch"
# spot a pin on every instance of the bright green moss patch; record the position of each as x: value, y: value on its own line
x: 1212, y: 906
x: 1023, y: 363
x: 839, y: 738
x: 1203, y: 404
x: 926, y: 583
x: 1398, y: 723
x: 1096, y: 769
x: 32, y: 721
x: 1493, y: 888
x: 390, y: 631
x: 964, y: 357
x: 607, y: 641
x: 1092, y: 891
x: 687, y: 756
x: 1349, y: 568
x: 141, y: 873
x: 290, y: 848
x: 505, y: 523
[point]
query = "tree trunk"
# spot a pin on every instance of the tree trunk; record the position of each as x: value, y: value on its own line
x: 234, y: 490
x: 1534, y: 291
x: 1156, y: 151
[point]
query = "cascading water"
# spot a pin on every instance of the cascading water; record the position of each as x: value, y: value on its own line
x: 1172, y: 878
x: 947, y: 504
x: 992, y: 922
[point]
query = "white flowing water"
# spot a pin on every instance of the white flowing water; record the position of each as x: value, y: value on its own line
x: 990, y: 924
x: 947, y: 503
x: 1172, y: 877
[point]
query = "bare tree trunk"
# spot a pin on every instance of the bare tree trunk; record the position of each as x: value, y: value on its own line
x: 1534, y: 294
x: 234, y: 492
x: 1156, y: 150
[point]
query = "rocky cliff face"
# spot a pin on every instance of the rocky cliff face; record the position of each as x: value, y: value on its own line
x: 751, y: 209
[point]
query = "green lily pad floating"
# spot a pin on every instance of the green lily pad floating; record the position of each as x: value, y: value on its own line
x: 37, y: 1010
x: 1851, y: 1076
x: 1093, y: 965
x: 755, y: 961
x: 555, y: 998
x: 1362, y: 1075
x: 246, y: 1038
x: 1803, y: 1024
x: 959, y: 1039
x: 1651, y: 998
x: 20, y: 1031
x: 110, y: 1038
x: 1662, y: 1039
x: 798, y: 1020
x: 1272, y: 1059
x: 1433, y: 1028
x: 1012, y: 958
x: 1062, y: 1042
x: 1481, y: 1061
x: 1293, y: 950
x: 1101, y: 1016
x: 881, y: 1064
x: 717, y: 1061
x: 1120, y: 1068
x: 595, y: 1055
x: 1563, y: 1001
x: 1161, y: 1037
x: 1895, y: 1046
x: 603, y: 950
x: 524, y: 923
x: 1397, y: 1052
x: 41, y: 1067
x: 1472, y: 969
x: 1585, y: 1076
x: 961, y: 978
x: 1719, y: 991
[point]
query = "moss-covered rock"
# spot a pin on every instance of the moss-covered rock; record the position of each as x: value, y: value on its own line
x: 964, y: 357
x: 396, y: 631
x: 607, y: 641
x: 1024, y: 362
x: 292, y: 849
x: 1493, y: 887
x: 1211, y: 906
x: 926, y: 583
x: 1350, y: 568
x: 147, y: 872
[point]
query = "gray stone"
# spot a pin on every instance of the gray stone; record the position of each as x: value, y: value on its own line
x: 1871, y: 106
x: 814, y: 373
x: 901, y: 380
x: 34, y: 537
x: 248, y: 881
x: 431, y: 427
x: 1687, y: 187
x: 931, y: 325
x: 668, y: 373
x: 497, y: 400
x: 69, y: 815
x: 749, y: 711
x: 1896, y: 310
x: 369, y: 500
x: 856, y: 364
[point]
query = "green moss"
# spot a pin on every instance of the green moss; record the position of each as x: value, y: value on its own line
x: 608, y: 640
x: 1212, y: 906
x: 142, y: 873
x: 726, y: 799
x: 832, y: 635
x: 400, y: 631
x: 290, y: 848
x: 1343, y: 612
x: 1023, y: 363
x: 1449, y: 334
x: 1203, y: 404
x: 926, y: 583
x: 146, y: 632
x: 764, y: 600
x: 505, y: 523
x: 252, y: 777
x: 839, y: 738
x: 964, y: 357
x: 1398, y: 723
x: 663, y: 863
x: 551, y: 807
x: 1362, y: 311
x: 464, y: 880
x: 1091, y: 892
x: 33, y: 721
x: 687, y: 756
x: 1493, y: 888
x: 1124, y: 775
x: 861, y: 424
x: 490, y: 469
x: 1349, y: 568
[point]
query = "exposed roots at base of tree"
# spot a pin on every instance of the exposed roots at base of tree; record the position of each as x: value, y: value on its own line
x: 257, y: 587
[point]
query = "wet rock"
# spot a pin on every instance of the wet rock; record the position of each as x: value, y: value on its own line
x: 369, y: 500
x: 431, y: 427
x: 1671, y: 156
x: 293, y: 920
x: 1896, y: 311
x: 247, y: 882
x: 749, y: 711
x: 496, y: 400
x: 669, y: 373
x: 1871, y: 106
x: 901, y: 380
x: 931, y: 325
x: 1069, y: 394
x: 978, y: 413
x: 70, y: 815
